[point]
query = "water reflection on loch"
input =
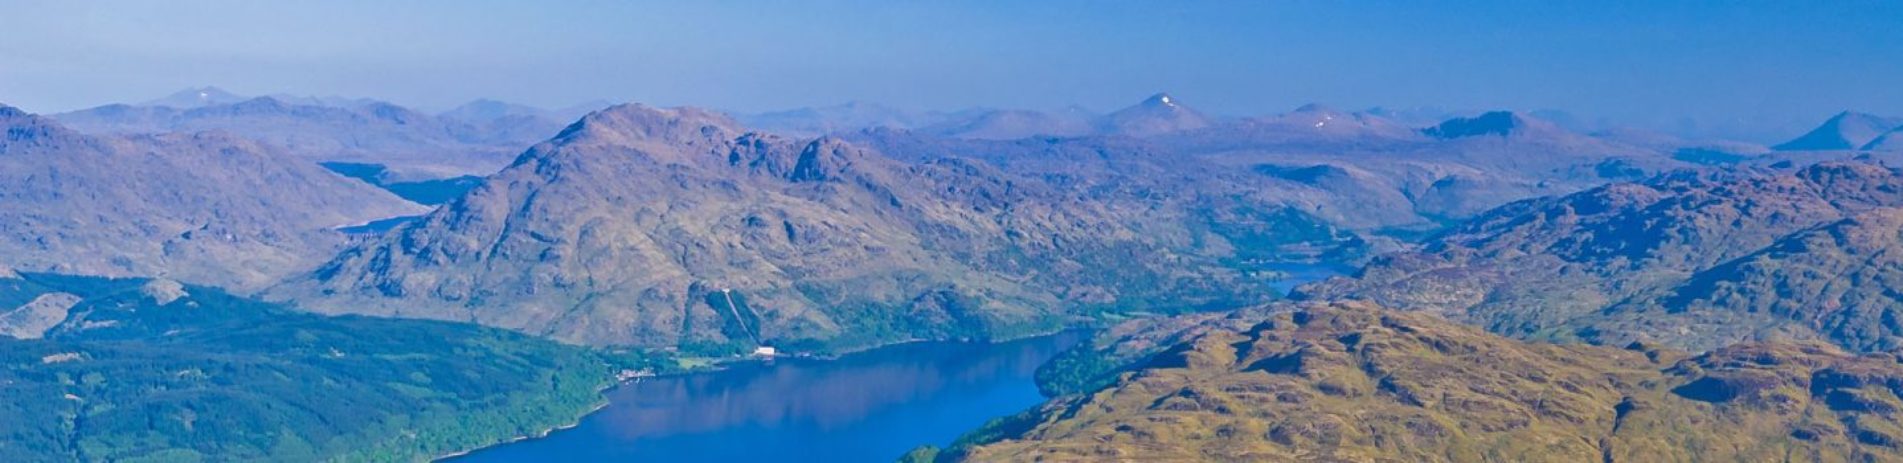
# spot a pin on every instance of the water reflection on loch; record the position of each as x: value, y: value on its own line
x: 870, y: 406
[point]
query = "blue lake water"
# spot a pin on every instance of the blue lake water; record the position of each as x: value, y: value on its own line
x: 869, y: 406
x: 1297, y: 274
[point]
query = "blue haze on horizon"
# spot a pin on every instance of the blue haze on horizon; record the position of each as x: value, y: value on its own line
x: 1754, y: 70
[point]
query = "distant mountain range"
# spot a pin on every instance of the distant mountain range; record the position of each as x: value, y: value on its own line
x: 210, y: 208
x: 476, y: 138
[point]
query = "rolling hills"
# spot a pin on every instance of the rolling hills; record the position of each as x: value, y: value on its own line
x: 1698, y: 259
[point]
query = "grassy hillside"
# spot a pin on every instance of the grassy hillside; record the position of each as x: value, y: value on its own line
x: 1354, y: 382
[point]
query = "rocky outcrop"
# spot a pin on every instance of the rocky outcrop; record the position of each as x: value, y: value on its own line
x: 32, y: 320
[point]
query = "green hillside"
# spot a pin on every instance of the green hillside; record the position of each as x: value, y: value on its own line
x: 148, y: 370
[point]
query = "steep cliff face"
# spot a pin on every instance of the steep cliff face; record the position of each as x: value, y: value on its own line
x: 666, y: 227
x: 1351, y: 382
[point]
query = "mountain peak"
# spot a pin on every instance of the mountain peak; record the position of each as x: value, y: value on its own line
x: 1491, y: 123
x: 1160, y: 99
x: 197, y: 97
x: 1156, y: 115
x: 1315, y: 108
x: 488, y: 110
x: 634, y: 121
x: 9, y: 112
x: 17, y: 124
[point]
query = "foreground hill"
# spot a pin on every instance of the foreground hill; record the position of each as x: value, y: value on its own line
x: 1353, y: 382
x: 664, y: 227
x: 97, y: 369
x: 207, y: 207
x: 1694, y: 259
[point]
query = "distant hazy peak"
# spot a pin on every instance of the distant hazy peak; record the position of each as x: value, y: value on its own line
x: 1160, y: 99
x: 1316, y: 108
x: 259, y: 102
x: 1491, y: 123
x: 487, y: 110
x: 1158, y: 114
x: 197, y: 98
x: 1847, y: 130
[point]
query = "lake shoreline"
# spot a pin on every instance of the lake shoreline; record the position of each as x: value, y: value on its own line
x: 603, y: 405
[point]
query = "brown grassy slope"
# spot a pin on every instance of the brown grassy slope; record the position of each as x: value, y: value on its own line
x: 1352, y: 382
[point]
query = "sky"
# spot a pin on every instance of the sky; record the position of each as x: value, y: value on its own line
x: 1759, y: 66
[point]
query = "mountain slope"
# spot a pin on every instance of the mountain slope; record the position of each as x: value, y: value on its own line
x: 1845, y: 131
x: 1599, y: 265
x: 1359, y: 383
x: 206, y: 208
x: 1889, y: 141
x: 152, y: 370
x: 670, y: 227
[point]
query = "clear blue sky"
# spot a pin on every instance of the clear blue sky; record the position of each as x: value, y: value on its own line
x: 1636, y: 61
